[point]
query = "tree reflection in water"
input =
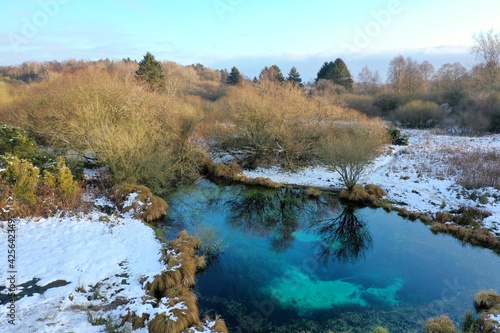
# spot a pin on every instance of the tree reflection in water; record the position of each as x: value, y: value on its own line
x: 344, y: 238
x: 269, y: 213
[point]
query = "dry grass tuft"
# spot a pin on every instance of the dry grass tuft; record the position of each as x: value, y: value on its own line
x: 487, y: 300
x: 264, y: 182
x: 441, y: 324
x: 174, y: 285
x: 221, y: 170
x: 477, y: 237
x: 219, y: 326
x: 146, y: 206
x: 369, y: 195
x: 375, y: 190
x: 136, y: 321
x: 312, y: 192
x: 488, y: 303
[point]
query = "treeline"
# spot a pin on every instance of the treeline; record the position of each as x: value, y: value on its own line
x: 459, y: 99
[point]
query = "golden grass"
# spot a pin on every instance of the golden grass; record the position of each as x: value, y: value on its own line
x: 487, y: 300
x: 369, y: 195
x: 313, y: 192
x: 175, y: 285
x: 441, y: 324
x: 147, y: 206
x: 219, y: 326
x: 478, y: 237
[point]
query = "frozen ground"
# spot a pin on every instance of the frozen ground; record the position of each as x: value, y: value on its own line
x: 413, y: 176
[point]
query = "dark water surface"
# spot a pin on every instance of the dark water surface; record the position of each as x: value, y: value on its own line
x: 293, y: 264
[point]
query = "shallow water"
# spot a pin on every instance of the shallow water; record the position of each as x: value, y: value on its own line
x: 295, y: 264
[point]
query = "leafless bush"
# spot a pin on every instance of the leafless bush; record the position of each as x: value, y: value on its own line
x: 476, y: 169
x: 144, y: 137
x: 350, y: 147
x: 272, y: 122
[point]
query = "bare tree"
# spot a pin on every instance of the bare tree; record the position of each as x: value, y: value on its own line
x: 450, y: 81
x: 427, y: 72
x: 487, y: 50
x: 368, y: 81
x: 396, y: 72
x: 350, y: 148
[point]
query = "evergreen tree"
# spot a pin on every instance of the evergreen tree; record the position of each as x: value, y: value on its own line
x: 272, y: 73
x: 150, y: 72
x: 337, y: 72
x: 234, y: 77
x: 294, y: 77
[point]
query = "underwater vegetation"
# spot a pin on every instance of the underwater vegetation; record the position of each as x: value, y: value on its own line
x: 306, y: 292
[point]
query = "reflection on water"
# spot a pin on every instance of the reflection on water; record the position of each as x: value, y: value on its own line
x: 297, y: 264
x: 345, y: 237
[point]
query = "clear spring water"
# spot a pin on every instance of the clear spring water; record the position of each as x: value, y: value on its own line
x: 293, y: 264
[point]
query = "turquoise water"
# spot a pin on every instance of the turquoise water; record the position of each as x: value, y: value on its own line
x: 293, y: 264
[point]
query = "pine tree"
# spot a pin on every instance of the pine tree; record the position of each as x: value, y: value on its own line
x: 234, y: 77
x: 150, y: 72
x: 294, y: 77
x: 337, y: 72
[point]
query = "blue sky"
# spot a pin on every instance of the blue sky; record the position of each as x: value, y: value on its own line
x: 249, y: 34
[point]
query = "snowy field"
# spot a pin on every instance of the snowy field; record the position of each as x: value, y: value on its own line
x: 413, y: 176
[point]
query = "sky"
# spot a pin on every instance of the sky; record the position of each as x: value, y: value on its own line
x: 248, y: 34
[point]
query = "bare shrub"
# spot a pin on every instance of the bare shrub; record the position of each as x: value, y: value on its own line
x: 419, y: 114
x: 143, y: 136
x: 350, y: 147
x: 271, y: 122
x: 476, y: 169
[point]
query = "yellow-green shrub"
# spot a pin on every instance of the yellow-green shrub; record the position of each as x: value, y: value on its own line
x: 23, y: 177
x: 64, y: 180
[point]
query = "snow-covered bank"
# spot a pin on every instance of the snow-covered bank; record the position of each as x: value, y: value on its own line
x: 100, y: 256
x: 103, y: 260
x: 413, y: 176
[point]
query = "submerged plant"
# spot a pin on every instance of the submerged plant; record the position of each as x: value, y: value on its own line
x: 212, y: 245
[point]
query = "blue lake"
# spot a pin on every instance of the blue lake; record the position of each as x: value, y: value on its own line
x: 293, y: 264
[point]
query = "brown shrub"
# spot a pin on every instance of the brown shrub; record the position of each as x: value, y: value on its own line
x: 475, y: 169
